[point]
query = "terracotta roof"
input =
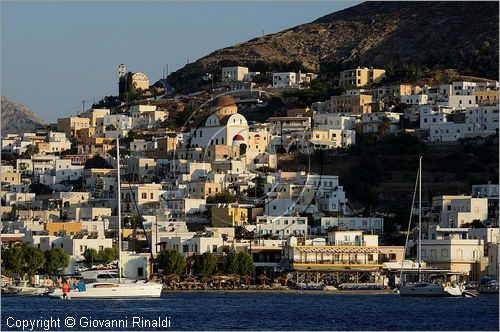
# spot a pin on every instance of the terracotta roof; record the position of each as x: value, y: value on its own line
x: 224, y: 101
x: 238, y: 137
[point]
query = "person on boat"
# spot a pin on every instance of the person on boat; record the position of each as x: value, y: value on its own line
x: 65, y: 287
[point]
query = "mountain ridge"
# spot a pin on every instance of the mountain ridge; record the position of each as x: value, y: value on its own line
x: 371, y: 34
x: 17, y: 118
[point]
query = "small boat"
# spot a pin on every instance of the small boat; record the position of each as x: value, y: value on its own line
x: 469, y: 293
x: 22, y: 288
x: 488, y: 287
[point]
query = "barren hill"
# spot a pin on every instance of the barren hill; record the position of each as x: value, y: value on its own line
x: 457, y: 35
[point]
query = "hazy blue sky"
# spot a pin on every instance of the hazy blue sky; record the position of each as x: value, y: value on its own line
x: 56, y: 54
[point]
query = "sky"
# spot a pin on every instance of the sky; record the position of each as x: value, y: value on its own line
x: 54, y: 55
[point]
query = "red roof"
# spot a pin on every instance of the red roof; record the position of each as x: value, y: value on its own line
x: 238, y: 137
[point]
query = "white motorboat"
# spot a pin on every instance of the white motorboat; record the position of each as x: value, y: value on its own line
x: 430, y: 289
x: 22, y: 288
x: 111, y: 288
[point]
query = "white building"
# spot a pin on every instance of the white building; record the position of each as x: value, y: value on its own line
x: 118, y: 121
x: 454, y: 211
x: 486, y: 190
x: 459, y: 101
x: 366, y: 224
x: 335, y: 121
x: 282, y: 226
x: 236, y: 73
x: 285, y: 80
x: 352, y: 238
x: 420, y: 99
x: 463, y: 88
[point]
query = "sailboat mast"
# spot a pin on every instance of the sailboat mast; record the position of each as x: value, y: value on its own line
x: 419, y: 217
x: 119, y: 210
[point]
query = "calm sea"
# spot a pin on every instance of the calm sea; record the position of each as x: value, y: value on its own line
x: 268, y: 311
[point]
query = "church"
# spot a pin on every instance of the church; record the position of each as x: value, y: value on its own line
x: 224, y: 126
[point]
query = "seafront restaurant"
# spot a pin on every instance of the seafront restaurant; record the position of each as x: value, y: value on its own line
x: 357, y: 258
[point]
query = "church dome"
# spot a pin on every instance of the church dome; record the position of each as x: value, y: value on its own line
x: 238, y: 137
x: 224, y: 101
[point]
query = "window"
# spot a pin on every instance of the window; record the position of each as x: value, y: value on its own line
x: 144, y: 196
x: 185, y: 248
x: 140, y: 272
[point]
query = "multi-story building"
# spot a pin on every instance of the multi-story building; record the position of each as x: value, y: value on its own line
x: 282, y: 226
x: 454, y: 211
x: 230, y: 215
x: 351, y: 104
x: 366, y: 224
x: 361, y: 76
x: 236, y: 73
x: 72, y: 126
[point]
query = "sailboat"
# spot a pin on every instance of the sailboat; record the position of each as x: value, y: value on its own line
x: 424, y: 288
x: 111, y: 289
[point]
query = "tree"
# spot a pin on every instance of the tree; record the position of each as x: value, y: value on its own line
x: 90, y: 256
x: 108, y: 255
x: 205, y: 264
x: 40, y: 189
x: 34, y: 260
x: 476, y: 223
x: 97, y: 162
x: 30, y: 150
x: 223, y: 197
x: 98, y: 187
x: 232, y: 263
x: 55, y: 259
x: 245, y: 263
x: 171, y: 261
x: 13, y: 259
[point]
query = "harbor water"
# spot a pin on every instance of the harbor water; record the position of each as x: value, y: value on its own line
x: 257, y: 311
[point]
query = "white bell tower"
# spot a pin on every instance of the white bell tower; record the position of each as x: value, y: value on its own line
x: 122, y: 70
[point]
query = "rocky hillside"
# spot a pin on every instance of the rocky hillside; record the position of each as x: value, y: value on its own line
x: 16, y: 118
x: 458, y: 35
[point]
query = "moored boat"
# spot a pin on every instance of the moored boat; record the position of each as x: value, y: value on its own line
x: 111, y: 288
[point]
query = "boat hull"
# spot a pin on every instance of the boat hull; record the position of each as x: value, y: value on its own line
x: 431, y: 291
x: 112, y: 291
x: 27, y: 291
